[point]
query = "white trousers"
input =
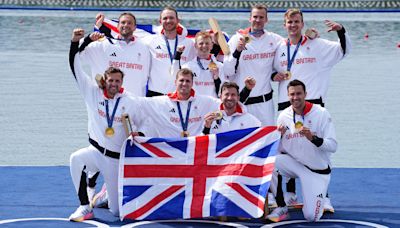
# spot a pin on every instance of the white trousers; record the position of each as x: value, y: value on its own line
x: 264, y: 112
x: 314, y: 186
x: 89, y: 159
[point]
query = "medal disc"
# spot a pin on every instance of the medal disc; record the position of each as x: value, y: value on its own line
x: 311, y: 34
x: 247, y: 38
x: 109, y: 131
x: 288, y: 75
x: 218, y: 115
x: 298, y: 125
x: 185, y: 134
x: 212, y: 66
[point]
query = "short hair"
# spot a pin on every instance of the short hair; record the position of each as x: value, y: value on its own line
x: 169, y: 8
x: 184, y: 71
x: 291, y: 12
x: 204, y: 34
x: 112, y: 70
x: 228, y: 85
x: 127, y: 14
x: 296, y: 83
x: 259, y: 7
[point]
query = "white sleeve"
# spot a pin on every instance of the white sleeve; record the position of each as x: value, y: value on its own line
x: 328, y: 134
x: 230, y: 61
x: 85, y: 84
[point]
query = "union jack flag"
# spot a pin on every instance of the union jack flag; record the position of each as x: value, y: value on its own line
x: 226, y: 174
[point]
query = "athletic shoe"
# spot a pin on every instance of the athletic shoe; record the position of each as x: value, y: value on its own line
x: 84, y: 212
x: 90, y: 192
x: 271, y: 200
x: 279, y: 214
x: 290, y: 199
x: 328, y: 206
x: 101, y: 198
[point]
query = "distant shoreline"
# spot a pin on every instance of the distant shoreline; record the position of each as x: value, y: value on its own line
x: 205, y: 5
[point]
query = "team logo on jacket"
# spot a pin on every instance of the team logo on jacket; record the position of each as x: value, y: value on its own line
x: 172, y: 110
x: 113, y: 54
x: 101, y: 103
x: 139, y: 56
x: 283, y: 54
x: 158, y: 47
x: 215, y: 127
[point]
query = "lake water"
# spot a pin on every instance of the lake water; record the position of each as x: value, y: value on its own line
x: 43, y: 117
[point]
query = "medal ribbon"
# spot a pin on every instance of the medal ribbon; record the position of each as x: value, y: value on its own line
x: 290, y: 60
x: 184, y: 124
x: 294, y: 117
x: 110, y: 120
x: 200, y: 65
x: 171, y: 57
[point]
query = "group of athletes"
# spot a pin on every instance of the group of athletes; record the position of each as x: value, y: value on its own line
x: 172, y: 86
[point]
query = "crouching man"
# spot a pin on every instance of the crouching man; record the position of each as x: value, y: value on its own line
x: 308, y: 140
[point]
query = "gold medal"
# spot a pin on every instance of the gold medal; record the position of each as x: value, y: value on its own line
x: 109, y: 132
x: 288, y: 75
x: 298, y: 125
x: 310, y: 34
x: 185, y: 134
x: 212, y: 66
x: 218, y: 115
x: 247, y: 38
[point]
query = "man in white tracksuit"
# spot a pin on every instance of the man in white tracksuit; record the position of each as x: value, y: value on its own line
x: 181, y: 113
x: 125, y: 52
x: 231, y: 114
x: 163, y: 47
x: 310, y: 61
x: 308, y: 140
x: 255, y: 59
x: 208, y: 72
x: 105, y: 107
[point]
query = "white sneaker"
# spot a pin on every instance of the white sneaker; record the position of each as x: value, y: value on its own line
x: 328, y: 206
x: 290, y: 199
x: 271, y: 200
x: 84, y: 212
x: 279, y: 214
x: 101, y: 198
x: 90, y: 192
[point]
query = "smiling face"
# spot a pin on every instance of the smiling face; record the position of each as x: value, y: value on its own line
x: 203, y: 45
x: 184, y: 84
x: 126, y: 25
x: 230, y: 99
x: 258, y: 19
x: 297, y: 97
x: 113, y: 83
x: 294, y: 24
x: 169, y: 20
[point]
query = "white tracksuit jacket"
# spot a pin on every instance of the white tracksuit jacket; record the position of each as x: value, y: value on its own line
x: 299, y: 147
x: 312, y: 65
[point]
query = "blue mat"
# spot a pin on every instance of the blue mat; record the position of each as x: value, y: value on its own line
x: 362, y: 196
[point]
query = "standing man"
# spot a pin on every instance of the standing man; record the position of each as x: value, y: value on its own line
x: 253, y: 50
x: 105, y: 107
x: 163, y: 48
x: 125, y: 52
x: 231, y: 114
x: 307, y: 142
x: 208, y: 72
x: 310, y: 61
